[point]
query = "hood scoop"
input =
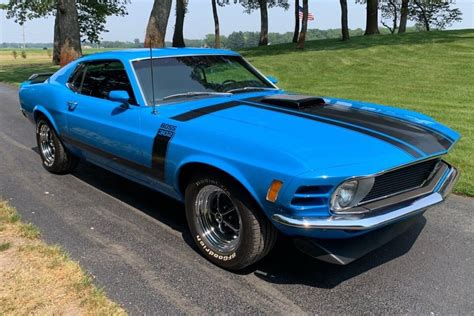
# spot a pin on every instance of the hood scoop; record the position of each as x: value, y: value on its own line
x: 293, y: 101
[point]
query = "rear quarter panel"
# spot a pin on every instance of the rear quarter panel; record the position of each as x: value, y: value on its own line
x: 47, y: 99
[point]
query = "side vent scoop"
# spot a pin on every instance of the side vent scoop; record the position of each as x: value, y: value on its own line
x: 293, y: 101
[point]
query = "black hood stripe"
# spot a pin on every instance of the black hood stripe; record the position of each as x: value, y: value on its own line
x: 345, y: 125
x: 424, y: 139
x: 187, y: 116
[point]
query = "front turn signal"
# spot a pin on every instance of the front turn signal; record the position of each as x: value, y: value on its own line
x: 273, y: 190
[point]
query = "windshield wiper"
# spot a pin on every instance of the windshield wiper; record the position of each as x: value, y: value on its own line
x: 245, y: 89
x: 193, y: 94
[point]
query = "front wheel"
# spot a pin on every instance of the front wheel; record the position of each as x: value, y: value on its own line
x: 226, y: 224
x: 54, y: 156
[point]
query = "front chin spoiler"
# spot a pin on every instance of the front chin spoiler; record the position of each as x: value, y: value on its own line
x: 343, y: 252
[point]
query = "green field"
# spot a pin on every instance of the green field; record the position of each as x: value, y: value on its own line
x: 430, y: 72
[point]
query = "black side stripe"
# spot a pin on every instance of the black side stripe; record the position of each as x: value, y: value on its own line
x: 187, y: 116
x: 156, y: 171
x: 160, y: 149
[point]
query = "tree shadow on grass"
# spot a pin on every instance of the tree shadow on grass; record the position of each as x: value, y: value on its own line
x: 361, y: 42
x: 284, y: 265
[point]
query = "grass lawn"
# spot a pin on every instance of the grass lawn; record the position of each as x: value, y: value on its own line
x: 429, y: 72
x: 39, y: 279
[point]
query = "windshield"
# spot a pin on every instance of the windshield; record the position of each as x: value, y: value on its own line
x: 197, y: 76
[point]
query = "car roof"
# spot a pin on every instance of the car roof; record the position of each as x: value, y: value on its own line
x: 131, y: 54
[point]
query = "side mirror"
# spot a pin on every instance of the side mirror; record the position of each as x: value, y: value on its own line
x: 119, y: 96
x: 272, y: 79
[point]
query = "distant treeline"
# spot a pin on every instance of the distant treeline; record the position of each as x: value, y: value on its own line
x: 235, y: 40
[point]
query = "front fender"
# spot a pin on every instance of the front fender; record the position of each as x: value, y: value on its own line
x: 219, y: 164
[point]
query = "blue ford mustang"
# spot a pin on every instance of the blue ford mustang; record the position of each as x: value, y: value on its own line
x: 248, y: 159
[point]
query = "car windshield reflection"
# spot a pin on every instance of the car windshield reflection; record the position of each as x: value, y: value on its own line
x: 197, y: 76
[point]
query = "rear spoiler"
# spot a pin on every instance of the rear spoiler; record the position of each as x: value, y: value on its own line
x: 39, y: 78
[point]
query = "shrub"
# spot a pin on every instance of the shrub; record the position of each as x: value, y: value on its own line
x: 15, y: 54
x: 23, y: 54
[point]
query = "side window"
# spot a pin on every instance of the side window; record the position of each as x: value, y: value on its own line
x: 105, y: 76
x: 75, y: 81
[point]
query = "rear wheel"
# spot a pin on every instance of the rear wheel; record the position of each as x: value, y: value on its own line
x: 226, y: 224
x: 54, y: 156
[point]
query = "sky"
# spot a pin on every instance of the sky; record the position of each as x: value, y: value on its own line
x: 199, y: 21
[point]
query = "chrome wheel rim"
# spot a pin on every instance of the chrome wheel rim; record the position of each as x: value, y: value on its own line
x: 46, y: 143
x: 218, y: 219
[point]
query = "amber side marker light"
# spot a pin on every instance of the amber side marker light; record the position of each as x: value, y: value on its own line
x: 273, y: 190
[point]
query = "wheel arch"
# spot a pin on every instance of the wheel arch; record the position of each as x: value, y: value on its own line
x: 190, y: 168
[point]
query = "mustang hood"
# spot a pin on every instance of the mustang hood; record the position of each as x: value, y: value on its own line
x: 325, y: 133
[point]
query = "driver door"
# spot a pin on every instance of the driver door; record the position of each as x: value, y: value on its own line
x: 103, y: 130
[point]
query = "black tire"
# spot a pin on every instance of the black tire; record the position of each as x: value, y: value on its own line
x: 60, y: 161
x: 256, y: 237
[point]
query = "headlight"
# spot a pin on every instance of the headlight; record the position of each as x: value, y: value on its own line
x: 350, y: 193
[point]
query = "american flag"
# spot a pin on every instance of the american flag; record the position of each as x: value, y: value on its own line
x: 310, y: 15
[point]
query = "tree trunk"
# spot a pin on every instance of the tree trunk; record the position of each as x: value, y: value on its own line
x: 296, y: 33
x: 403, y: 17
x: 304, y: 26
x: 178, y: 37
x: 157, y: 23
x: 217, y: 35
x: 56, y: 41
x: 344, y: 20
x: 263, y: 23
x: 372, y: 26
x: 69, y: 33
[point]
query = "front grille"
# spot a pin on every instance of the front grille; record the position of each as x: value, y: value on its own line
x: 402, y: 179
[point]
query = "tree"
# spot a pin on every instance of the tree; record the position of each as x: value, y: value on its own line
x: 217, y: 34
x: 296, y: 33
x: 236, y: 40
x: 68, y: 32
x: 304, y: 26
x: 435, y: 14
x: 344, y: 20
x: 262, y: 6
x: 403, y: 17
x: 92, y: 15
x: 389, y: 10
x: 88, y: 16
x: 264, y: 23
x: 178, y: 37
x: 157, y: 23
x: 372, y: 19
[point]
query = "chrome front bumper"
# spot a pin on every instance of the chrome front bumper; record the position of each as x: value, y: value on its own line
x: 386, y: 211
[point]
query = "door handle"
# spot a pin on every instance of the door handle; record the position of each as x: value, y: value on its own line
x: 71, y: 105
